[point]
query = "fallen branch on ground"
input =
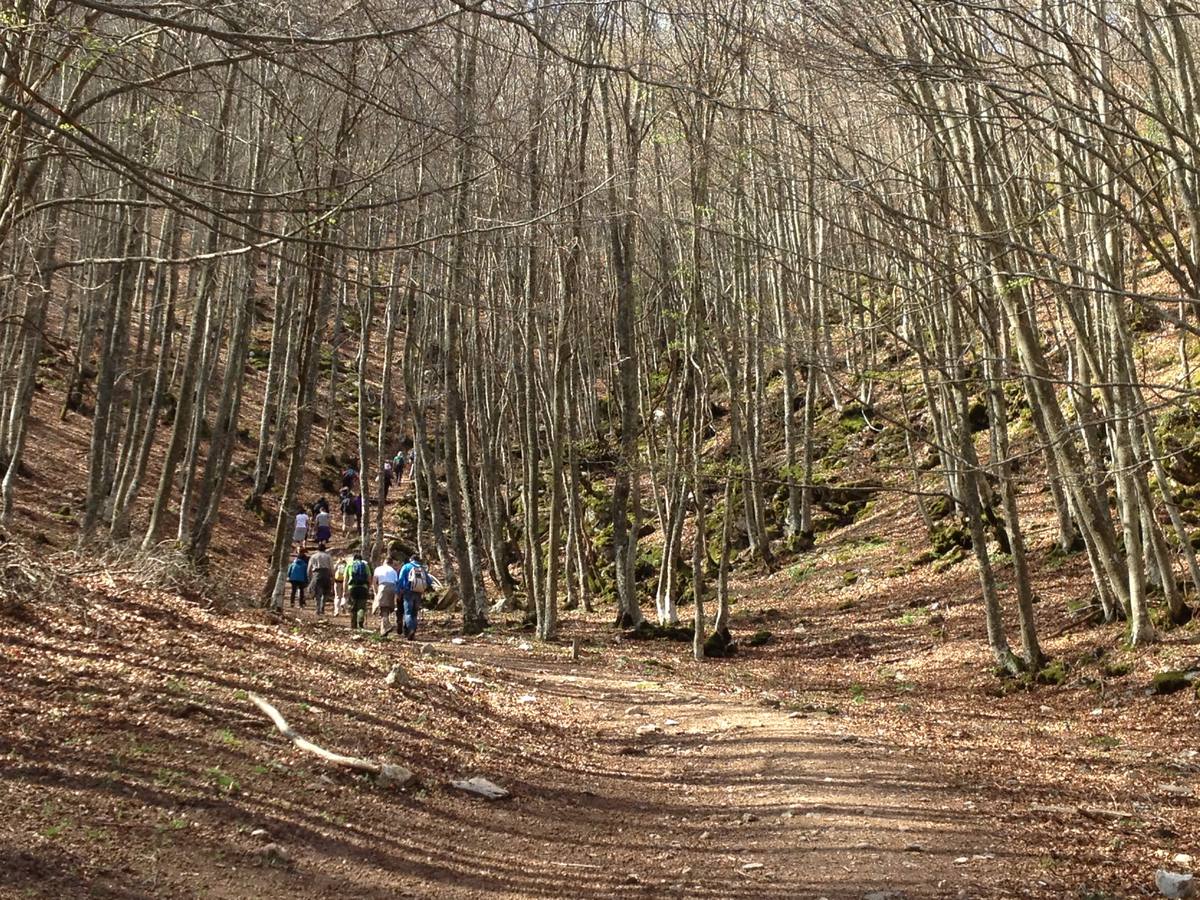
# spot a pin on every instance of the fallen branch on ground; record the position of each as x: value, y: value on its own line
x: 386, y: 773
x: 1103, y: 815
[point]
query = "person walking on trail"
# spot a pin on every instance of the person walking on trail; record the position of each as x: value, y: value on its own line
x: 346, y: 505
x: 398, y: 466
x: 386, y: 478
x: 320, y: 576
x: 339, y: 585
x: 324, y: 523
x: 358, y: 590
x: 384, y: 581
x: 349, y: 478
x: 298, y: 577
x: 414, y: 582
x: 300, y: 531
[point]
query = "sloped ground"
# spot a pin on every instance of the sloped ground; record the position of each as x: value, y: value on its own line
x: 863, y: 748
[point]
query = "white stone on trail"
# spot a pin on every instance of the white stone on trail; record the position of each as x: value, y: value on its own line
x: 457, y: 641
x: 394, y: 776
x: 527, y: 698
x: 274, y: 855
x: 525, y: 646
x: 428, y: 650
x: 646, y: 729
x: 669, y: 722
x: 750, y: 867
x: 397, y: 676
x: 260, y: 833
x: 1175, y: 884
x: 481, y: 787
x: 635, y: 711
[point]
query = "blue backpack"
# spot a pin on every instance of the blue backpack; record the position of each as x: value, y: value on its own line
x: 298, y: 571
x: 359, y: 573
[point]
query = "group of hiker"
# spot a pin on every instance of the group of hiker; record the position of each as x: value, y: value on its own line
x: 397, y: 588
x: 351, y: 583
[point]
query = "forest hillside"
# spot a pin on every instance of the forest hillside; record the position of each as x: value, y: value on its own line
x: 773, y: 428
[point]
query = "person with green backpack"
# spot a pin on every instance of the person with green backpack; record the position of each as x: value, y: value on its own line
x: 357, y: 579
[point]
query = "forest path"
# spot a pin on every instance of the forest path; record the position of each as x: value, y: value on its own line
x: 726, y: 797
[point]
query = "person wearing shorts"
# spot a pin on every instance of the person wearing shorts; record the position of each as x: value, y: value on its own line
x: 384, y: 580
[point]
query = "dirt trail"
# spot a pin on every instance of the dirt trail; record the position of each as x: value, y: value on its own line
x: 729, y: 798
x: 133, y: 765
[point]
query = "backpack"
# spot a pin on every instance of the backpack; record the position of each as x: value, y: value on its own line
x: 418, y: 581
x: 298, y: 571
x: 358, y: 572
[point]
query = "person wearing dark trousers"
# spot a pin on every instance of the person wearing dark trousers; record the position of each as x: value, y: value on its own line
x: 320, y: 576
x: 298, y: 577
x: 358, y: 590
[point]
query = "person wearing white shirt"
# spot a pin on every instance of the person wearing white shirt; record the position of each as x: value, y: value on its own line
x: 301, y: 529
x: 384, y: 581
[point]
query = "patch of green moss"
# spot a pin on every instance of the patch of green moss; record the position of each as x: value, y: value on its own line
x: 1053, y: 673
x: 1169, y: 682
x: 759, y: 638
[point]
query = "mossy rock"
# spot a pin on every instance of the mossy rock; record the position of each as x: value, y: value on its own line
x: 853, y: 417
x: 1116, y: 669
x: 946, y: 538
x: 850, y: 577
x: 1053, y: 673
x: 1179, y: 433
x: 648, y: 631
x: 759, y: 638
x: 720, y: 644
x: 951, y: 559
x: 939, y: 507
x: 1171, y: 682
x: 801, y: 542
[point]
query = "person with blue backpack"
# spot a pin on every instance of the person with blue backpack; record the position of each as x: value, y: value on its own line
x: 298, y: 576
x: 414, y: 582
x: 358, y: 590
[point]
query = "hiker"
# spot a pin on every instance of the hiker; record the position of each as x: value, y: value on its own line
x: 339, y: 585
x: 414, y: 582
x: 358, y: 590
x: 346, y: 505
x: 386, y: 478
x: 398, y: 466
x: 356, y: 511
x: 384, y: 581
x: 324, y: 523
x: 320, y: 575
x: 349, y: 477
x: 300, y: 532
x: 298, y: 576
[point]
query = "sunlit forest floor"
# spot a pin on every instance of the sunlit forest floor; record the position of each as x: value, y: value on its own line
x: 864, y: 746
